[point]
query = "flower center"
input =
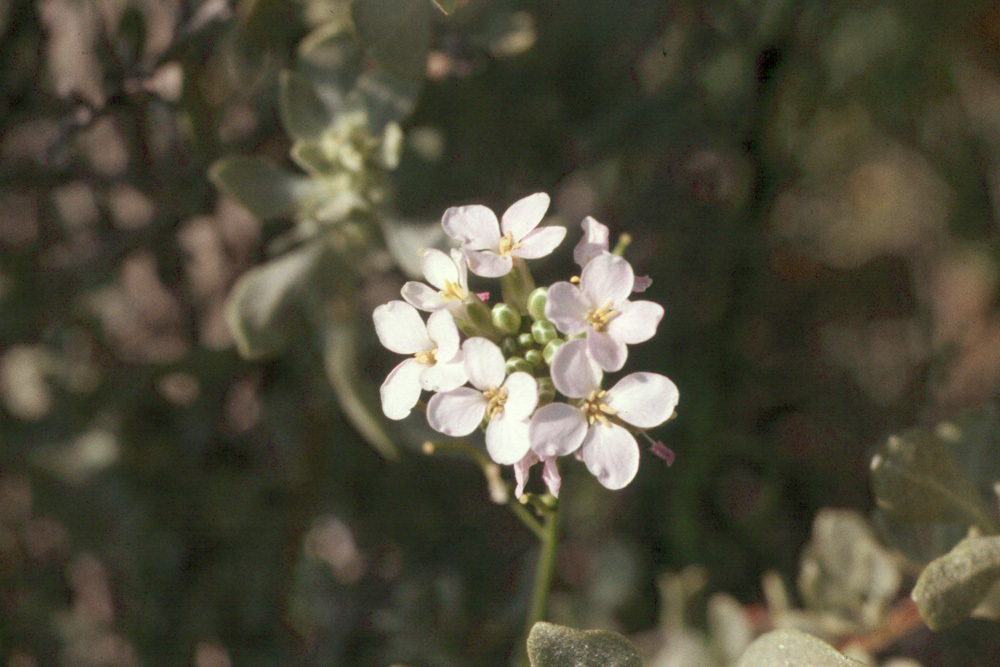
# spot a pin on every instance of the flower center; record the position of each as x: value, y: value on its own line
x: 452, y: 292
x: 426, y: 357
x: 596, y: 409
x: 598, y: 318
x: 496, y: 398
x: 507, y: 245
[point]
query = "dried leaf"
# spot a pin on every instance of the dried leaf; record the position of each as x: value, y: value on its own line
x: 952, y: 586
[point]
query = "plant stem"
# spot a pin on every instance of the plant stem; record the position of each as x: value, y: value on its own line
x: 543, y: 577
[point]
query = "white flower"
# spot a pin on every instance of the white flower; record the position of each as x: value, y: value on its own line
x: 610, y: 452
x: 595, y: 243
x: 550, y: 473
x: 600, y: 308
x: 491, y: 246
x: 436, y: 364
x: 448, y: 274
x: 507, y: 403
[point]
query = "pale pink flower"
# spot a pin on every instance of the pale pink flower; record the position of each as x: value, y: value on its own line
x: 595, y: 242
x: 600, y: 308
x: 447, y: 273
x: 594, y: 424
x: 550, y: 473
x: 436, y: 364
x: 492, y: 245
x: 506, y: 402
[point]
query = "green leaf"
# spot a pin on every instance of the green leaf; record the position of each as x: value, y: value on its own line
x: 952, y: 586
x: 261, y: 309
x: 331, y: 55
x: 361, y: 407
x: 303, y: 112
x: 405, y: 240
x: 792, y: 648
x: 263, y: 188
x: 387, y: 97
x: 551, y: 645
x: 446, y: 6
x: 396, y: 32
x: 916, y: 478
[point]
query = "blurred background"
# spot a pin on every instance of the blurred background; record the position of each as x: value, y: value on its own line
x: 813, y: 187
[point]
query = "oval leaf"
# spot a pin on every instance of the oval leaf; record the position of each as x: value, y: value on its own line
x: 551, y: 645
x: 396, y: 32
x: 791, y: 648
x: 303, y: 112
x: 264, y: 189
x: 952, y: 586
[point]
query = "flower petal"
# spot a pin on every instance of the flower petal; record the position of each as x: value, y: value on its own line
x: 642, y: 283
x: 521, y: 469
x: 550, y: 475
x: 522, y: 395
x: 400, y: 329
x: 401, y: 389
x: 442, y: 330
x: 457, y: 412
x: 607, y: 279
x: 574, y: 373
x: 484, y: 363
x: 636, y: 321
x: 475, y: 226
x: 462, y: 264
x: 593, y: 243
x: 438, y: 268
x: 488, y: 264
x: 609, y: 353
x: 423, y: 297
x: 540, y: 242
x: 557, y: 429
x: 611, y: 454
x: 445, y: 375
x: 644, y: 399
x: 507, y: 439
x: 524, y: 215
x: 566, y: 308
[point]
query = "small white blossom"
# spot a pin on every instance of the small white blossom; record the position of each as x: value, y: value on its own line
x: 436, y: 364
x: 594, y: 243
x: 449, y: 274
x: 508, y: 403
x: 600, y: 308
x: 593, y: 426
x: 491, y: 246
x: 550, y: 473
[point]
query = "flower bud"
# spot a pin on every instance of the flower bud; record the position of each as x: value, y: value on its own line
x: 505, y: 318
x: 536, y: 302
x: 526, y: 341
x: 534, y: 357
x: 543, y: 331
x: 515, y: 364
x: 546, y: 390
x: 479, y: 315
x: 509, y: 347
x: 550, y: 349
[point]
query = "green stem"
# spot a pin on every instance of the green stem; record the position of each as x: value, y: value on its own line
x: 543, y: 577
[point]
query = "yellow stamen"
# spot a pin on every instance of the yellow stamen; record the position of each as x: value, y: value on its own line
x: 426, y: 357
x: 497, y: 398
x: 596, y: 409
x: 600, y: 317
x: 453, y: 292
x: 507, y: 245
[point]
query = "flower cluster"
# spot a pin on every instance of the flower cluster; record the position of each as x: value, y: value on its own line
x: 531, y: 369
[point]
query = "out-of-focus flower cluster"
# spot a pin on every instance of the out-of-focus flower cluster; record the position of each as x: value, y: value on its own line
x: 530, y: 372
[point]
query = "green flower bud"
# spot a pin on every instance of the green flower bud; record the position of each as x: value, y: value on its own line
x: 480, y: 316
x: 509, y: 347
x: 526, y: 340
x: 543, y: 331
x: 534, y: 357
x: 505, y: 318
x: 536, y: 302
x: 550, y: 349
x: 518, y: 364
x: 546, y: 390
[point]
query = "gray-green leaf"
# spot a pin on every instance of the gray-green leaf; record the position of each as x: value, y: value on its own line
x: 261, y: 308
x: 916, y: 478
x: 263, y: 188
x: 952, y: 586
x: 303, y: 112
x: 791, y: 648
x: 551, y: 645
x: 397, y: 33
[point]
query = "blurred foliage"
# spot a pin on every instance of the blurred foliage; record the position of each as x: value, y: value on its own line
x: 813, y: 187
